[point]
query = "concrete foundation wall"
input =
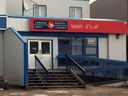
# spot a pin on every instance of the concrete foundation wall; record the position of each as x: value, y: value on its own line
x: 1, y: 52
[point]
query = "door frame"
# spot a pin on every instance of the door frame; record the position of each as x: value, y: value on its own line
x: 52, y: 63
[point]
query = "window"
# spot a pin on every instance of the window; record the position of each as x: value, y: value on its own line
x: 90, y: 50
x: 77, y: 50
x: 75, y: 12
x: 39, y: 10
x: 64, y: 41
x: 77, y: 46
x: 36, y: 10
x: 33, y: 47
x: 43, y: 10
x: 45, y: 48
x: 90, y: 41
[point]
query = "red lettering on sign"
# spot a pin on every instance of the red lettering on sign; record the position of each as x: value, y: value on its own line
x: 82, y: 26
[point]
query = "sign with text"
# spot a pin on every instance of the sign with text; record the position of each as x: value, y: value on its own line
x: 50, y: 25
x: 79, y: 26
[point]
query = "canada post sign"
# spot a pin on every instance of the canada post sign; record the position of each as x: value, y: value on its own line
x: 78, y: 26
x: 50, y: 25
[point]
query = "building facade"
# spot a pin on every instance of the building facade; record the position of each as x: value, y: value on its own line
x: 50, y: 29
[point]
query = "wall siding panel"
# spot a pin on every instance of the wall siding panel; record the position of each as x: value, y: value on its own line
x: 1, y: 52
x: 13, y: 58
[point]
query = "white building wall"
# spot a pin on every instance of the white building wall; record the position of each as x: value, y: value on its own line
x: 13, y: 58
x: 55, y: 8
x: 1, y: 52
x: 14, y: 7
x: 60, y: 8
x: 3, y: 7
x: 55, y: 47
x: 117, y: 47
x: 103, y: 48
x: 20, y: 24
x: 112, y: 48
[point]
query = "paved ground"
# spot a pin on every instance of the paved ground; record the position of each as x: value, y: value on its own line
x: 89, y: 91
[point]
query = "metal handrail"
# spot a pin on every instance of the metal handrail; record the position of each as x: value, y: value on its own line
x: 109, y: 61
x: 41, y: 63
x: 46, y: 70
x: 75, y: 64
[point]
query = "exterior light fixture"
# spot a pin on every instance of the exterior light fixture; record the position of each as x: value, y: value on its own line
x: 117, y: 36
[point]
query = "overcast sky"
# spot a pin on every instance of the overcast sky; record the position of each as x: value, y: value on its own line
x: 91, y: 1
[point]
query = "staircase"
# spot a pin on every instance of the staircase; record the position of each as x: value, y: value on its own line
x: 57, y: 79
x: 35, y: 80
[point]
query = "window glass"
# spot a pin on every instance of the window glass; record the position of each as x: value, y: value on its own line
x: 77, y: 41
x: 64, y: 41
x: 33, y: 47
x: 72, y: 12
x: 43, y: 10
x: 78, y: 12
x: 45, y: 48
x: 90, y: 50
x: 90, y: 41
x: 65, y: 50
x: 75, y: 12
x: 36, y: 10
x: 78, y: 51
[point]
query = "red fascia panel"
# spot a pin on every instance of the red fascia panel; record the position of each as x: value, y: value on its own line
x: 85, y: 26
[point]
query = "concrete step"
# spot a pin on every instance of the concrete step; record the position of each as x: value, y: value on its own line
x: 62, y: 80
x: 59, y: 86
x: 57, y: 70
x: 61, y: 75
x: 32, y: 84
x: 57, y: 79
x: 62, y: 86
x: 71, y: 83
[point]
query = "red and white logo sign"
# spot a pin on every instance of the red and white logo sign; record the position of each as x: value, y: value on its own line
x: 79, y: 26
x: 51, y: 25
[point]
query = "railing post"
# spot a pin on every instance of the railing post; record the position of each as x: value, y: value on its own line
x: 93, y: 77
x: 47, y: 78
x: 84, y: 78
x: 66, y: 61
x: 124, y: 77
x: 35, y: 62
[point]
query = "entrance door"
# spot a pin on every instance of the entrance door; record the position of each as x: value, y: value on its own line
x: 42, y: 49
